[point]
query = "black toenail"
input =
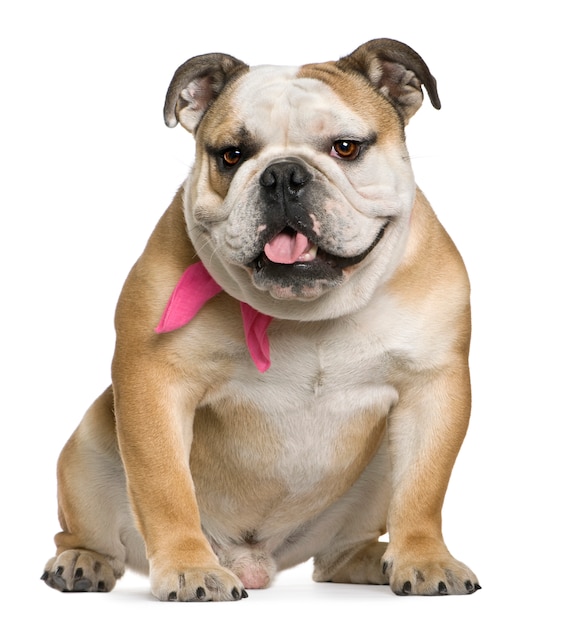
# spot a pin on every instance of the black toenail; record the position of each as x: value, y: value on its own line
x: 235, y: 593
x: 442, y: 588
x: 407, y: 587
x: 469, y: 587
x: 82, y: 584
x: 384, y: 567
x: 45, y: 575
x: 200, y: 593
x: 59, y: 571
x: 172, y: 596
x: 101, y: 586
x: 79, y: 573
x: 244, y: 593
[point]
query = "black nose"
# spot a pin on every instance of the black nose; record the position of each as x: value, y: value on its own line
x: 284, y: 180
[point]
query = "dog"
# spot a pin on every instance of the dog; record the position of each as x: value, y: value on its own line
x: 290, y: 378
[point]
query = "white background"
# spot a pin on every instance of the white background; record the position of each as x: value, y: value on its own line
x: 87, y: 168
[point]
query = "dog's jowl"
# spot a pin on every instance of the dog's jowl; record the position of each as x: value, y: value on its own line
x: 290, y: 378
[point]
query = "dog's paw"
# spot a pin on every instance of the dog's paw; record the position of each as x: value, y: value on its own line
x: 196, y: 584
x: 424, y: 574
x: 80, y: 570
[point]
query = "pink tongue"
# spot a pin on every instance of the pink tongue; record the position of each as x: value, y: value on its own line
x: 286, y: 247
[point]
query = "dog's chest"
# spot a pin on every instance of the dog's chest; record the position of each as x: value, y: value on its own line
x: 341, y: 372
x: 314, y: 413
x: 270, y: 448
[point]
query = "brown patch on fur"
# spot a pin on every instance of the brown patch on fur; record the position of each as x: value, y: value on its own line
x: 357, y: 93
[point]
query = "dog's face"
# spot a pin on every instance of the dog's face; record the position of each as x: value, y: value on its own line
x: 300, y: 196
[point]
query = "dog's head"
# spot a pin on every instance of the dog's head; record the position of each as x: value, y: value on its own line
x: 299, y: 199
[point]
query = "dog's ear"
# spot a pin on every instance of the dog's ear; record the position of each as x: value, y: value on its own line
x: 195, y: 85
x: 395, y: 70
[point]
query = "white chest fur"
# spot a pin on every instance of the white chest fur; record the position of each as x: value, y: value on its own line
x: 326, y: 390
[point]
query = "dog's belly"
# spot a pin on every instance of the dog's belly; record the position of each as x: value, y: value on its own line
x: 272, y: 452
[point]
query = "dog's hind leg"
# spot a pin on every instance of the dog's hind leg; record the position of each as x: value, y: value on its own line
x: 98, y: 534
x: 361, y: 564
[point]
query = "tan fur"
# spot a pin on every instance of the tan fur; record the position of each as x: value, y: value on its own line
x: 358, y: 94
x: 210, y: 476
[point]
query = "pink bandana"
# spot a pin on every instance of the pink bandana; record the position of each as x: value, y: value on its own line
x: 194, y: 288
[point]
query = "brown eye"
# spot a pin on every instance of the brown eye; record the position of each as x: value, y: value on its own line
x: 345, y: 149
x: 231, y: 156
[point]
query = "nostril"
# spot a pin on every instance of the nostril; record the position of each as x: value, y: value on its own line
x: 298, y: 177
x: 268, y: 178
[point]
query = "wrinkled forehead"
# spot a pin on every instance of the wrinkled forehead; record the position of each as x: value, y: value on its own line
x: 280, y: 101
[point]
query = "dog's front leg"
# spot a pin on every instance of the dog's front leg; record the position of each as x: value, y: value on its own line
x: 154, y: 416
x: 425, y: 431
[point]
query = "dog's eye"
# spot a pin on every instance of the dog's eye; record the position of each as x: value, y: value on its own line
x: 231, y: 157
x: 346, y: 149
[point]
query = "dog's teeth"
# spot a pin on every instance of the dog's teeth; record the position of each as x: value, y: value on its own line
x: 310, y: 254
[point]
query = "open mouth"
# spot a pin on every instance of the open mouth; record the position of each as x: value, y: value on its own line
x: 291, y: 252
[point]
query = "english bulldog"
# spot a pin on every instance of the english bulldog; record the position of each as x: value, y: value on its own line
x: 290, y: 378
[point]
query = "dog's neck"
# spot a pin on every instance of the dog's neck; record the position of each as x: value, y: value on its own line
x: 194, y: 289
